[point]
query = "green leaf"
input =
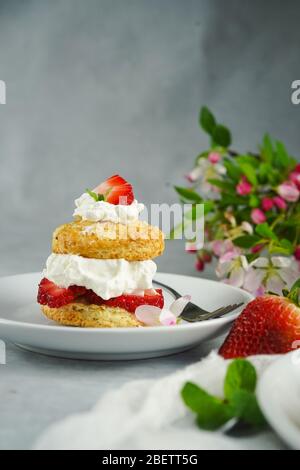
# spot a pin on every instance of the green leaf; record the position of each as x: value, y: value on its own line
x: 232, y: 170
x: 294, y: 292
x: 188, y: 194
x: 207, y: 120
x: 241, y: 375
x: 267, y: 149
x: 247, y: 160
x: 246, y: 241
x: 249, y: 172
x: 212, y: 412
x: 254, y: 201
x: 244, y: 406
x: 263, y: 171
x: 265, y: 231
x: 224, y: 185
x: 97, y: 197
x: 282, y: 156
x: 284, y: 247
x: 221, y: 136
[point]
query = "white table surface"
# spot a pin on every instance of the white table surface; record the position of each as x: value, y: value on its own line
x: 38, y: 390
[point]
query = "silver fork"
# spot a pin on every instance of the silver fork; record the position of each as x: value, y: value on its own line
x: 193, y: 313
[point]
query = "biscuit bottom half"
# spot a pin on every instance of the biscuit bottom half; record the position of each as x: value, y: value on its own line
x: 91, y: 316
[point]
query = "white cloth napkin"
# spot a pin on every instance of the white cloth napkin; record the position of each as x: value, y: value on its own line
x: 149, y: 414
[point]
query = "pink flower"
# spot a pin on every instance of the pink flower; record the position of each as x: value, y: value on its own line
x: 297, y: 253
x: 279, y: 202
x: 297, y: 168
x: 154, y: 316
x: 257, y: 216
x: 295, y: 178
x: 214, y: 157
x: 244, y: 187
x: 288, y: 191
x: 267, y: 203
x: 220, y: 247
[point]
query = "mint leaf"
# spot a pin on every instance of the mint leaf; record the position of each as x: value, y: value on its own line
x: 212, y: 412
x: 213, y: 415
x: 188, y: 194
x: 241, y: 375
x: 265, y: 231
x: 246, y: 241
x: 92, y: 194
x: 207, y: 120
x: 245, y: 407
x: 221, y: 136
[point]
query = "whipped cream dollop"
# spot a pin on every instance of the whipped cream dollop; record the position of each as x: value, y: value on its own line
x: 100, y: 211
x: 106, y: 277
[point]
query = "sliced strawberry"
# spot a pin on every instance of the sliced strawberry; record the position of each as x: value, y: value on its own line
x: 53, y: 296
x: 268, y: 325
x: 122, y: 195
x: 116, y: 190
x: 114, y: 180
x: 129, y: 302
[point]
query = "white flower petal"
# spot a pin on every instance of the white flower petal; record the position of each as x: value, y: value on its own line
x: 260, y: 262
x: 253, y: 279
x: 275, y: 284
x: 148, y: 314
x: 237, y: 276
x: 289, y: 276
x: 281, y: 261
x: 167, y: 318
x: 178, y: 306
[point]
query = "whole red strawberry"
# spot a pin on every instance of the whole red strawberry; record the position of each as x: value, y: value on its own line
x: 268, y: 325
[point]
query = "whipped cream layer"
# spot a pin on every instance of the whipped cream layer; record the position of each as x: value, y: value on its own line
x: 106, y: 277
x: 100, y: 211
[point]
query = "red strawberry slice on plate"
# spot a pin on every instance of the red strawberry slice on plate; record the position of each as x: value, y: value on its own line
x: 116, y: 190
x: 268, y: 325
x: 129, y: 302
x: 53, y: 296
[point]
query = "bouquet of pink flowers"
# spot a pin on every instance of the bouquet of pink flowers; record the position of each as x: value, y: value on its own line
x: 252, y: 215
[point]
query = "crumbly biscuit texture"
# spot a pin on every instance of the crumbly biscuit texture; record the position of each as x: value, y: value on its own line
x: 136, y: 241
x: 91, y: 316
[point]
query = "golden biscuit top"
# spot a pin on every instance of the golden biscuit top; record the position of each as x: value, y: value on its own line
x: 136, y: 241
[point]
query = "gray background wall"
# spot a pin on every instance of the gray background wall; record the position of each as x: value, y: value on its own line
x: 97, y: 87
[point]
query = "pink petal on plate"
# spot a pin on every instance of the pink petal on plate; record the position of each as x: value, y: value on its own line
x: 148, y: 314
x: 178, y: 306
x: 167, y: 318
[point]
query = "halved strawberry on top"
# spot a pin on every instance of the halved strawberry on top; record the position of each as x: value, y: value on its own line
x: 54, y: 296
x: 115, y: 190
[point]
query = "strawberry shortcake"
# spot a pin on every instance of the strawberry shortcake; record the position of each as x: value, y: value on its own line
x: 101, y: 267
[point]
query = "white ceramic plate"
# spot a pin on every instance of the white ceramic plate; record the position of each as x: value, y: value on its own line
x: 278, y: 394
x: 22, y: 323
